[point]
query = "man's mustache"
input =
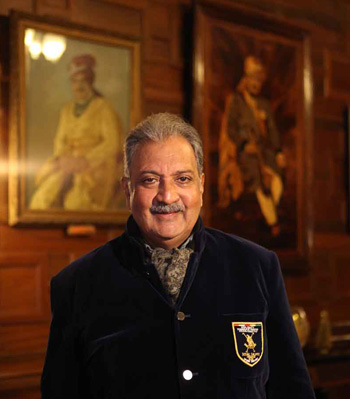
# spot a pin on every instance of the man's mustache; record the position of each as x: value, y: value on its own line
x: 163, y: 208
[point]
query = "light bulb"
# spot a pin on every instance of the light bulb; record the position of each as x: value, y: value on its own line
x: 35, y: 50
x: 53, y: 47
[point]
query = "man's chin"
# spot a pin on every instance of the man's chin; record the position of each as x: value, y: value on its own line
x: 168, y: 237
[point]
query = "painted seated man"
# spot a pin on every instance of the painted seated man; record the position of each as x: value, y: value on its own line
x: 82, y: 173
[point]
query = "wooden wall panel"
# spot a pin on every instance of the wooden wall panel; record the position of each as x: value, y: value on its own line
x: 162, y: 33
x: 107, y: 16
x: 329, y: 177
x: 333, y: 109
x: 300, y: 288
x: 55, y: 4
x: 153, y: 106
x: 18, y: 340
x: 23, y: 287
x: 33, y: 239
x: 138, y: 4
x: 20, y: 376
x: 169, y: 86
x: 340, y: 283
x: 56, y: 8
x: 57, y: 261
x: 20, y: 5
x: 337, y: 80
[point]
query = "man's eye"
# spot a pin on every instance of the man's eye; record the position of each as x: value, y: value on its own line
x: 149, y: 180
x: 184, y: 179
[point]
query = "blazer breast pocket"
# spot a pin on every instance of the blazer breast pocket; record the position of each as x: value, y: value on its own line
x: 243, y: 344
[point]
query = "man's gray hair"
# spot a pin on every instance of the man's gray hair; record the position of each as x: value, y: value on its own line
x: 158, y: 128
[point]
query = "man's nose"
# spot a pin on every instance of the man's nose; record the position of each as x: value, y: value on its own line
x: 167, y: 192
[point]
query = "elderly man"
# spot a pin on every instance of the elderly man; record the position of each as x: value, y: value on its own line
x: 171, y: 309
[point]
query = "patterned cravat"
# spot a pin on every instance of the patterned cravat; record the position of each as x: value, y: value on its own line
x: 171, y: 265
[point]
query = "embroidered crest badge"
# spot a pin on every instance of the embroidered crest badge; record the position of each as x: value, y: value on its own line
x: 249, y: 341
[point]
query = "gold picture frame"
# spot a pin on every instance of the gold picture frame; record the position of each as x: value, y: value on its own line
x: 68, y: 119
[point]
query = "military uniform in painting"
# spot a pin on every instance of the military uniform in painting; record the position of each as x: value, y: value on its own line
x: 255, y: 164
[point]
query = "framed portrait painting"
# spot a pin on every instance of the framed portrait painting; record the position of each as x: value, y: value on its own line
x: 252, y: 105
x: 75, y: 93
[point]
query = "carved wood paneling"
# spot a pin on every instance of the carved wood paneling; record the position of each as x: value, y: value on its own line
x: 57, y: 261
x: 300, y: 288
x: 163, y: 83
x: 29, y: 257
x: 20, y: 5
x: 56, y: 8
x: 23, y: 287
x: 337, y: 80
x: 20, y: 377
x: 329, y: 177
x: 162, y: 33
x: 154, y: 106
x: 340, y: 266
x: 333, y: 109
x: 48, y: 240
x: 138, y: 4
x: 110, y: 17
x: 58, y: 4
x: 339, y: 310
x: 18, y: 340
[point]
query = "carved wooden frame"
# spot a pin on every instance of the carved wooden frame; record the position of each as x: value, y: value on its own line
x: 206, y: 111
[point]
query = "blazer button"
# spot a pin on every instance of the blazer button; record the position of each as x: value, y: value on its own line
x: 187, y: 375
x: 181, y: 316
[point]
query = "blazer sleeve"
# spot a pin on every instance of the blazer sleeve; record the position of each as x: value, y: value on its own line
x: 289, y: 377
x: 60, y: 377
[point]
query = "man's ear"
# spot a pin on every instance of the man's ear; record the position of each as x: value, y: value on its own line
x: 126, y: 188
x: 202, y: 187
x: 202, y: 183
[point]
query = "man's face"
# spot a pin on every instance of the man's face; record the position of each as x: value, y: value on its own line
x: 81, y: 87
x: 165, y: 191
x: 254, y: 84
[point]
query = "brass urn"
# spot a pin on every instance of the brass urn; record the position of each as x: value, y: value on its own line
x: 301, y: 323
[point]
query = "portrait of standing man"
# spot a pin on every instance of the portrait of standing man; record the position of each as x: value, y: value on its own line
x: 258, y: 160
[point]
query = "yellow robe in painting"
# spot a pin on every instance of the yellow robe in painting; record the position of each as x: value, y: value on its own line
x: 95, y: 136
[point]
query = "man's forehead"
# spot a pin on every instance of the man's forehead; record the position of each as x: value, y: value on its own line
x: 171, y: 156
x: 176, y: 147
x: 174, y: 173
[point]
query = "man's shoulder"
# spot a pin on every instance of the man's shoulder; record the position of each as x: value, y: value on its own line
x: 237, y: 252
x: 230, y: 243
x: 67, y: 108
x: 86, y: 265
x: 102, y: 102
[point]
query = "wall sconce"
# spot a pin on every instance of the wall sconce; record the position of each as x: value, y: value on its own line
x: 53, y: 46
x: 50, y: 45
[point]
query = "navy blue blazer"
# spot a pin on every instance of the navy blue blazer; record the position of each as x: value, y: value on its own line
x: 115, y: 334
